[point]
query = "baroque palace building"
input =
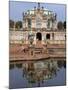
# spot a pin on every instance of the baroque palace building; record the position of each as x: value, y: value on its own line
x: 39, y: 25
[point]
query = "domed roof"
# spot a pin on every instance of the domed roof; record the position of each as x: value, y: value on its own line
x: 45, y: 11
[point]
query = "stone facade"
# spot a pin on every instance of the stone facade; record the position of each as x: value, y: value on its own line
x: 38, y: 24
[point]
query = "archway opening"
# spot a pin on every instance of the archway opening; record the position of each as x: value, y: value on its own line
x: 48, y: 36
x: 39, y: 36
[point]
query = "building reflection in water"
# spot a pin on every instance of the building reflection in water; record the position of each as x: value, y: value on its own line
x: 39, y: 71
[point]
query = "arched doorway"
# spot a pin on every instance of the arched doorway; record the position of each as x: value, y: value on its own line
x: 48, y: 36
x: 39, y: 36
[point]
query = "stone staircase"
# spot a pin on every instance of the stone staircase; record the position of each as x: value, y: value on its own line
x: 39, y: 49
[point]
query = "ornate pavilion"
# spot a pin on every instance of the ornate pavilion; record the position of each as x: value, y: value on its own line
x: 38, y: 25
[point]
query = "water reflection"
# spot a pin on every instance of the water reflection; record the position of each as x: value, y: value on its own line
x: 37, y: 73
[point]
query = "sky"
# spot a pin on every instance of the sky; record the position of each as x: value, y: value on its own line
x: 16, y: 8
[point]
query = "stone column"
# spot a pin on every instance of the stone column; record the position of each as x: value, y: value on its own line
x: 51, y: 38
x: 43, y: 35
x: 35, y: 38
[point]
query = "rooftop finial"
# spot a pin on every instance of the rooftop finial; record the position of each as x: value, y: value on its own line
x: 38, y: 5
x: 42, y: 7
x: 34, y: 7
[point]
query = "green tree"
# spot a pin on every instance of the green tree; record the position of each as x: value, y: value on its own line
x: 11, y: 23
x: 64, y: 24
x: 60, y: 25
x: 19, y: 24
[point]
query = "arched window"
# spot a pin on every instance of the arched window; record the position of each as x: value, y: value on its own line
x: 48, y: 36
x: 29, y: 23
x: 48, y: 23
x: 39, y: 36
x: 53, y: 36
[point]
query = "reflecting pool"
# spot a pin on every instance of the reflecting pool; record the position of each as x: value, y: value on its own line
x: 25, y: 74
